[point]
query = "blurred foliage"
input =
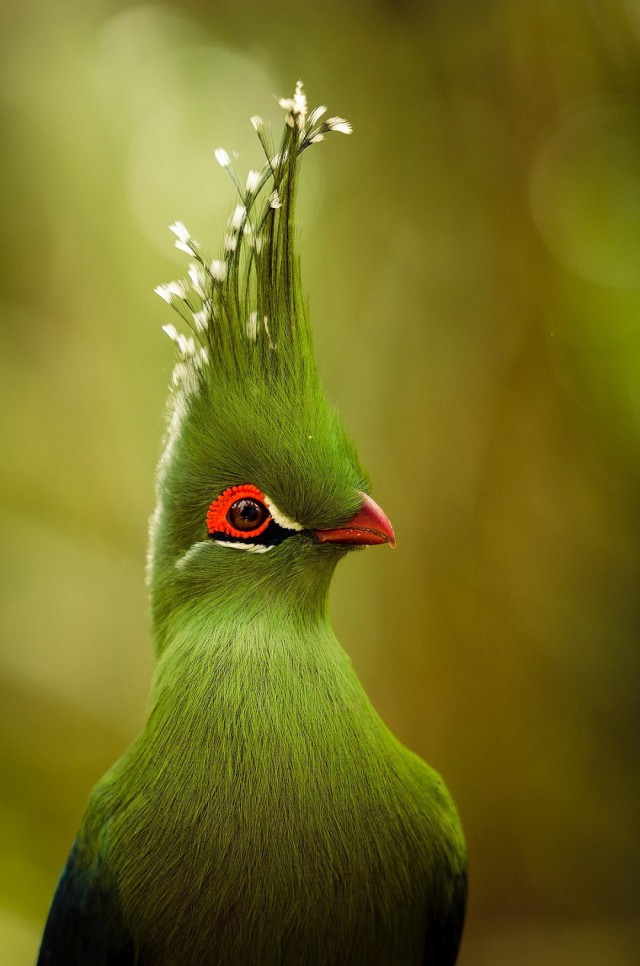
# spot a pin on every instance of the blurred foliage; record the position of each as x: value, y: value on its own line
x: 472, y: 256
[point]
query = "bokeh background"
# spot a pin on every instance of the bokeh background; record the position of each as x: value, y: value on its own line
x: 472, y: 256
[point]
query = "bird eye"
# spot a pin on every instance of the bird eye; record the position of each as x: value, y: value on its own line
x: 244, y: 518
x: 241, y: 513
x: 247, y: 515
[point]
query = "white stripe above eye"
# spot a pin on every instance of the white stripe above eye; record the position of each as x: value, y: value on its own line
x: 280, y: 518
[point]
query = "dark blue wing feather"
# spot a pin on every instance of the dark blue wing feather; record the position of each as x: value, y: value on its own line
x: 84, y: 927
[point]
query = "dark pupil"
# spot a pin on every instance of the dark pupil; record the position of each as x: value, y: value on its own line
x: 247, y: 514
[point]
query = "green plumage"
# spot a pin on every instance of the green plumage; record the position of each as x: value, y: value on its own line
x: 266, y: 814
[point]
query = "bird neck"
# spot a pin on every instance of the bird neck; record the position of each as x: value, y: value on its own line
x: 266, y: 646
x: 219, y: 591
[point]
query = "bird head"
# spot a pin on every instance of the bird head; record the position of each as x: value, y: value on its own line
x: 259, y: 488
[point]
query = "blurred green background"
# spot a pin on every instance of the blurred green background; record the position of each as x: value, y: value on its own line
x: 472, y: 256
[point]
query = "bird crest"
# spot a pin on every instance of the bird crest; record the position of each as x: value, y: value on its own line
x: 244, y: 308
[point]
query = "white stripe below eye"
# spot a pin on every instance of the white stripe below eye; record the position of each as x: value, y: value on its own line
x: 280, y: 518
x: 191, y: 554
x: 251, y: 547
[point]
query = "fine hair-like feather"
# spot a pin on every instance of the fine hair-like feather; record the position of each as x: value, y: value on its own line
x: 245, y: 308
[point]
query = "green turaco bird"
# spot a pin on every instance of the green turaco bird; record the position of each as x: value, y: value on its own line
x: 265, y: 815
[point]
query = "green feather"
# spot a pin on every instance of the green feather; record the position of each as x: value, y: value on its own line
x: 265, y: 814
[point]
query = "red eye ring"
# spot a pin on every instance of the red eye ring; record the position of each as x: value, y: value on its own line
x: 217, y: 521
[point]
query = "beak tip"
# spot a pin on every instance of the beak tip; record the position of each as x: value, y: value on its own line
x: 369, y: 526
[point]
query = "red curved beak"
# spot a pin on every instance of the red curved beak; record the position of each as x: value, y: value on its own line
x: 369, y: 526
